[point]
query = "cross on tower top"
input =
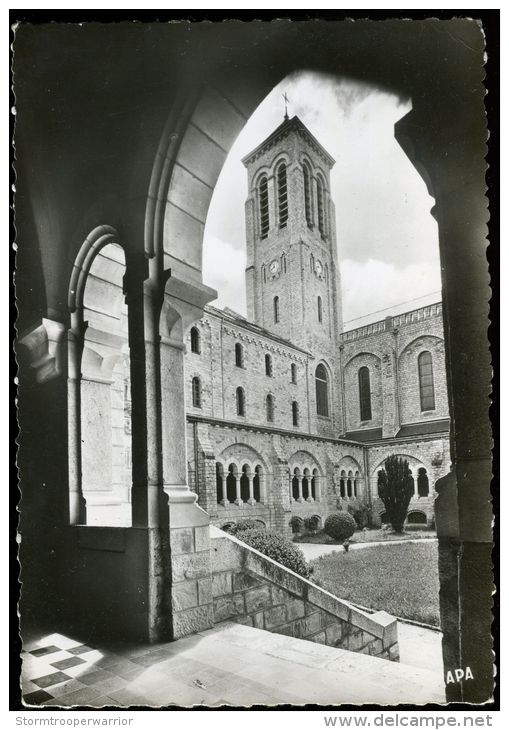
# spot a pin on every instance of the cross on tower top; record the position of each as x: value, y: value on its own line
x: 285, y: 97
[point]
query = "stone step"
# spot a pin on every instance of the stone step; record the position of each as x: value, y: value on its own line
x: 315, y: 673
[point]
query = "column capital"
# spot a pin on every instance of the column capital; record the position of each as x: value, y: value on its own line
x: 45, y: 344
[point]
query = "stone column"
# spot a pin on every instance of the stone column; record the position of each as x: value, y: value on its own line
x: 300, y: 497
x: 444, y: 136
x: 77, y: 504
x: 251, y: 490
x: 238, y: 499
x: 191, y: 580
x: 224, y: 500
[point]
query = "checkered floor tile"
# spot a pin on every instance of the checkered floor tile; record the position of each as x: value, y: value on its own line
x: 55, y: 669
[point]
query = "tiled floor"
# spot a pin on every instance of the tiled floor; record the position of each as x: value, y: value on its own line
x: 228, y: 665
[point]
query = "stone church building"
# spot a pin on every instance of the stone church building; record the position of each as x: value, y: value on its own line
x: 287, y: 414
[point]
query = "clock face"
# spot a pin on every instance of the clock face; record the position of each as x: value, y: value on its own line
x: 274, y: 267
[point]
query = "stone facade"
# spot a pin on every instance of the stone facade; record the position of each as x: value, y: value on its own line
x: 218, y: 436
x: 296, y: 446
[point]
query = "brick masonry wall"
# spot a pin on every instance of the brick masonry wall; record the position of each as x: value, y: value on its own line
x: 408, y: 376
x: 351, y: 391
x: 251, y: 589
x: 220, y: 376
x: 397, y: 341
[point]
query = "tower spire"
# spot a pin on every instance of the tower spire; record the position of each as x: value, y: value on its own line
x: 285, y: 97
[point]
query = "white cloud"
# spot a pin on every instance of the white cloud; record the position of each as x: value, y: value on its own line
x: 373, y: 285
x: 224, y: 269
x: 387, y: 238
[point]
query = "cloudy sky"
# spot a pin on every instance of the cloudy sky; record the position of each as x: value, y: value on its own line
x: 387, y: 238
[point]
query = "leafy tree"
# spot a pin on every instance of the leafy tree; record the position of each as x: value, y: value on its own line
x: 396, y: 488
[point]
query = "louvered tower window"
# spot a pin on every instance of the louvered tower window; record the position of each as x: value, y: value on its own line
x: 321, y: 200
x: 308, y: 197
x: 263, y: 202
x: 282, y: 195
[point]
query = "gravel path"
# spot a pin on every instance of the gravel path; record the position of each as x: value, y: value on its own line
x: 312, y: 550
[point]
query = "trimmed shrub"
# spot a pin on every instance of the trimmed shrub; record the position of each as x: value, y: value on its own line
x: 296, y: 524
x: 312, y: 523
x: 243, y: 525
x: 361, y: 515
x: 340, y: 526
x: 278, y: 548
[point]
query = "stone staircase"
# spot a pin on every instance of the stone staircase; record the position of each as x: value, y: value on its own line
x: 249, y: 588
x: 274, y: 668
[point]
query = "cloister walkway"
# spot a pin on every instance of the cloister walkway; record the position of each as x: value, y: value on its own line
x: 229, y: 665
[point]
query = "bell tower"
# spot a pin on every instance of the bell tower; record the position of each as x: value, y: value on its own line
x: 292, y: 276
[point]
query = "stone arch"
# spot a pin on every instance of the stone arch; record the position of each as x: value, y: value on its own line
x: 99, y: 394
x: 264, y: 171
x: 413, y: 344
x: 281, y: 156
x: 242, y: 453
x: 349, y: 462
x: 363, y: 353
x: 417, y: 517
x: 304, y: 158
x: 415, y: 463
x: 305, y: 459
x: 310, y: 476
x: 296, y: 524
x: 351, y: 483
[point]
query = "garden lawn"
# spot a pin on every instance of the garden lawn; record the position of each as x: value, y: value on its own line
x: 400, y: 579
